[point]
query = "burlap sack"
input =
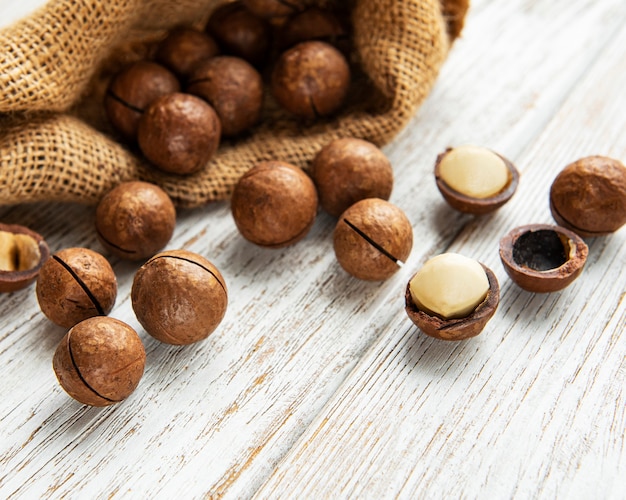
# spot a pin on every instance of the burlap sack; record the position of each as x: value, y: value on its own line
x: 54, y: 142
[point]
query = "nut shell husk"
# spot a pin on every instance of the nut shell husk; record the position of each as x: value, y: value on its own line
x: 349, y: 170
x: 179, y: 297
x: 551, y: 280
x: 100, y: 361
x: 476, y: 206
x: 589, y: 196
x: 135, y: 220
x: 311, y: 79
x: 75, y: 284
x: 274, y: 204
x: 233, y: 88
x: 385, y: 225
x: 11, y: 281
x: 461, y: 328
x: 179, y: 133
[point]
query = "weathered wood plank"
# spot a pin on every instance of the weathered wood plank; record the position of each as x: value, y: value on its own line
x: 215, y: 418
x: 536, y: 406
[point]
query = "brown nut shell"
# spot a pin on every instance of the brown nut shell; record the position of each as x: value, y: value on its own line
x: 135, y: 220
x: 349, y: 170
x: 233, y: 88
x: 314, y: 24
x: 75, y: 284
x: 461, y: 328
x: 132, y: 90
x: 589, y: 196
x: 371, y: 238
x: 476, y: 206
x: 542, y: 258
x: 274, y: 204
x: 184, y: 48
x: 311, y: 79
x: 179, y: 133
x: 271, y: 9
x: 179, y: 297
x: 22, y: 253
x: 100, y: 361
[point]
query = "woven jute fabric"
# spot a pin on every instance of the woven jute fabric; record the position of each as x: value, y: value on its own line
x: 55, y: 143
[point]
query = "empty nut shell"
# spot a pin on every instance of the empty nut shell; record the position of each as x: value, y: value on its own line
x: 459, y: 328
x: 471, y: 204
x: 75, y: 284
x: 100, y: 361
x: 22, y: 253
x: 543, y: 258
x: 589, y: 196
x: 179, y: 297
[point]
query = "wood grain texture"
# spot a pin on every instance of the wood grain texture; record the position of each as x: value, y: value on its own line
x: 317, y: 384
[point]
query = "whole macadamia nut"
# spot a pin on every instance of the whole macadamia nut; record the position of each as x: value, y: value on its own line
x: 372, y: 238
x: 274, y: 204
x: 184, y: 48
x: 179, y: 133
x: 75, y: 284
x: 132, y: 90
x: 22, y: 253
x: 100, y: 361
x: 349, y: 170
x: 272, y: 9
x: 314, y: 24
x: 589, y: 196
x: 311, y: 79
x: 135, y: 220
x: 233, y: 88
x: 179, y: 297
x: 240, y: 33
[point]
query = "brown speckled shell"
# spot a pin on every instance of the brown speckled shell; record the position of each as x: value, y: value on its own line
x: 100, y: 361
x: 75, y: 284
x: 179, y: 297
x: 132, y: 90
x: 456, y: 329
x: 386, y: 225
x: 544, y: 281
x: 179, y: 133
x: 11, y: 281
x: 135, y: 220
x: 274, y: 204
x: 476, y: 206
x: 349, y: 170
x: 234, y: 89
x: 589, y: 196
x: 311, y: 79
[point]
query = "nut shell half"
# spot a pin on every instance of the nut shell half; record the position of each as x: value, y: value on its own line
x: 543, y: 258
x: 471, y: 205
x: 461, y: 328
x: 25, y: 251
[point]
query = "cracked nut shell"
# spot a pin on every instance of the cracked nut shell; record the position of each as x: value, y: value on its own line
x: 459, y: 328
x: 371, y: 238
x: 543, y: 258
x: 100, y: 361
x: 233, y: 88
x: 179, y: 133
x: 75, y: 284
x: 311, y: 79
x: 274, y: 204
x: 589, y: 196
x: 22, y: 253
x: 179, y: 297
x: 132, y: 90
x: 135, y: 220
x: 349, y: 170
x: 472, y: 205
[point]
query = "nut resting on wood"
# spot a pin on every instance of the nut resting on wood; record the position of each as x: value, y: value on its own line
x: 22, y: 253
x: 452, y: 297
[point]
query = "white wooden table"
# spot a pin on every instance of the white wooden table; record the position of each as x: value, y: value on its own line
x: 317, y: 385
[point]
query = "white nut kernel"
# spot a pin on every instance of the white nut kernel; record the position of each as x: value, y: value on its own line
x: 449, y: 285
x: 474, y: 171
